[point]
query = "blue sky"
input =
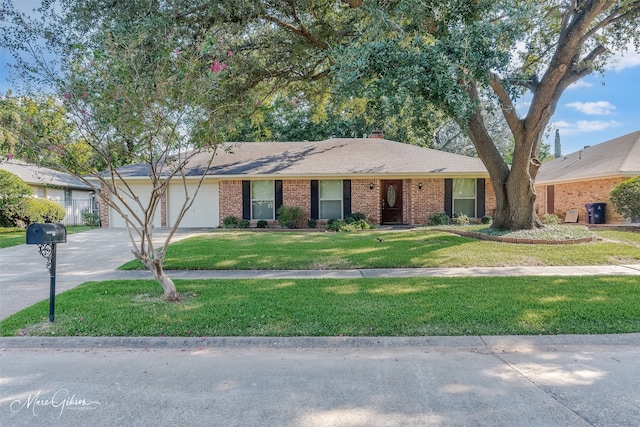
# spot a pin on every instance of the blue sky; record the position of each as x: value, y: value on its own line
x: 596, y: 109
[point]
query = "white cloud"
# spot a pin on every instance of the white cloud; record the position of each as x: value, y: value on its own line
x: 600, y: 108
x: 627, y: 59
x: 584, y: 126
x: 580, y: 84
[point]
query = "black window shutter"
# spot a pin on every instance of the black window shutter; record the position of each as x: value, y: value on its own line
x: 278, y: 194
x: 315, y: 199
x: 246, y: 199
x: 448, y: 197
x: 480, y: 205
x: 346, y: 198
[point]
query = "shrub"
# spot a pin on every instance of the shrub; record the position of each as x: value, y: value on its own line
x: 31, y: 210
x: 462, y: 219
x: 262, y: 224
x: 244, y: 223
x: 290, y: 216
x: 355, y: 226
x: 439, y: 218
x: 230, y: 222
x: 625, y: 198
x: 486, y: 219
x: 90, y: 218
x: 550, y: 219
x: 13, y: 190
x: 312, y: 223
x: 334, y: 224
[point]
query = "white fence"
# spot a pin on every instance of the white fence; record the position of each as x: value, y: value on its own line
x: 75, y: 208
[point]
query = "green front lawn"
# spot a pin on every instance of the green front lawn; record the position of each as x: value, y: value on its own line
x: 419, y: 248
x: 349, y: 307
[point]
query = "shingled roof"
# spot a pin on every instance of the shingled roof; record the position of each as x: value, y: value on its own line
x: 40, y: 176
x: 331, y: 157
x: 614, y: 158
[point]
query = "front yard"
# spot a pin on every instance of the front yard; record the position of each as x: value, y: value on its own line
x: 398, y: 249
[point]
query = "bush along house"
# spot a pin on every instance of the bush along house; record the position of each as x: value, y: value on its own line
x: 391, y: 183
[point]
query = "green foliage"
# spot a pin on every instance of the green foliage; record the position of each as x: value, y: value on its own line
x: 12, y: 192
x: 262, y: 224
x: 550, y: 219
x: 90, y: 218
x: 462, y: 219
x: 35, y: 130
x: 30, y: 210
x: 626, y: 198
x: 439, y: 218
x: 486, y: 220
x: 230, y: 222
x: 244, y: 223
x: 312, y: 223
x: 334, y: 224
x: 290, y: 216
x: 354, y: 222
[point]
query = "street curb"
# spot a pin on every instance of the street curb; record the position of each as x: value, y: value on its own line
x: 513, y: 343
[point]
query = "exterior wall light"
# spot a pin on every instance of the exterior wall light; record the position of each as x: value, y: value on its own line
x: 371, y: 186
x: 419, y: 186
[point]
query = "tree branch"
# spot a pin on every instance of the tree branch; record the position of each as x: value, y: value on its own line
x: 508, y: 110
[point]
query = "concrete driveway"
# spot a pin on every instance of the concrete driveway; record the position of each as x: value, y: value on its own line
x: 91, y: 255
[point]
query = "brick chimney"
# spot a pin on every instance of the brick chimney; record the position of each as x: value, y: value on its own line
x: 376, y: 134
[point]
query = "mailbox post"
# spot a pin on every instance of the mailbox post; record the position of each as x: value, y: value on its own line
x: 46, y: 236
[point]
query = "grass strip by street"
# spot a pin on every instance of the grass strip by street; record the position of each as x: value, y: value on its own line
x: 17, y: 236
x: 420, y: 248
x: 344, y: 307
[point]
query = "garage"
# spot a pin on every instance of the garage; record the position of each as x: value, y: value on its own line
x: 204, y: 211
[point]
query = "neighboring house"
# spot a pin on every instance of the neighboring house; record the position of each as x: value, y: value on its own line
x: 587, y: 176
x: 73, y: 194
x: 389, y: 182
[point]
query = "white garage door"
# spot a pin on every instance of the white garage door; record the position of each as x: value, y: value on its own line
x: 143, y: 191
x: 205, y: 210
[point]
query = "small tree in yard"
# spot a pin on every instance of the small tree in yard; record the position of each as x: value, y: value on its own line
x: 136, y: 91
x: 626, y: 198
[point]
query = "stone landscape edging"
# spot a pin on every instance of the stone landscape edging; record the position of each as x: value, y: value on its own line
x: 503, y: 239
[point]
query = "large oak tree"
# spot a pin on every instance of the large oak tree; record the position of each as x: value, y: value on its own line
x: 458, y: 53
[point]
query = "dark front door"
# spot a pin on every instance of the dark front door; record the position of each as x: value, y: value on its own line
x: 551, y: 198
x: 392, y: 202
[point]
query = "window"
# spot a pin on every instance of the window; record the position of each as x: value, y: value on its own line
x: 464, y: 197
x: 330, y: 199
x: 262, y: 200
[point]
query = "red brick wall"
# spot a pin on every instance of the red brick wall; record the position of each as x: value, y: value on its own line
x: 418, y: 204
x: 297, y: 193
x: 489, y: 199
x: 575, y: 195
x: 230, y: 199
x: 366, y: 200
x: 104, y: 206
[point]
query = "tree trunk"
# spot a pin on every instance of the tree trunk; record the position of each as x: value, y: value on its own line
x: 516, y: 201
x: 514, y: 186
x: 170, y: 291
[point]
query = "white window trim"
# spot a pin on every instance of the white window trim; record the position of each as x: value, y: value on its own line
x: 272, y: 200
x: 320, y: 199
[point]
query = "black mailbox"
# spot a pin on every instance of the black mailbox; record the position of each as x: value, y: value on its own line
x: 43, y: 234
